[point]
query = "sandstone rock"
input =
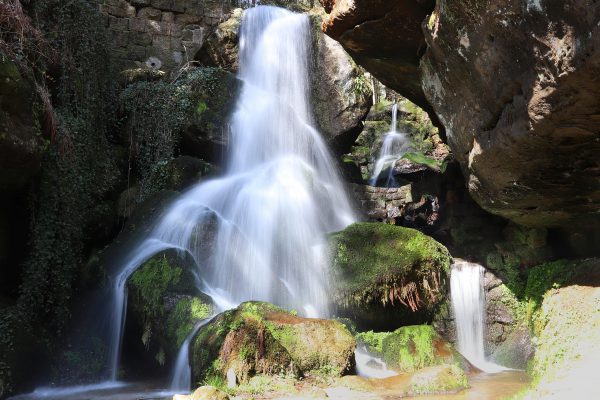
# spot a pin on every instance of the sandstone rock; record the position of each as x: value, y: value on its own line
x: 222, y: 46
x: 260, y: 338
x: 204, y: 393
x: 522, y: 120
x: 438, y: 379
x: 387, y: 275
x: 385, y: 37
x: 341, y: 94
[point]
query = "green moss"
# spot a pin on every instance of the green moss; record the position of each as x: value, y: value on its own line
x: 549, y: 276
x: 374, y: 340
x: 184, y: 315
x: 383, y: 262
x: 152, y: 280
x: 421, y: 159
x: 410, y: 348
x: 441, y: 379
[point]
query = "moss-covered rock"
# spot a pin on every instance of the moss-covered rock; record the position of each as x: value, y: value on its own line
x: 260, y: 338
x: 564, y: 299
x: 165, y: 302
x: 411, y: 348
x: 438, y: 379
x: 384, y: 271
x: 204, y: 393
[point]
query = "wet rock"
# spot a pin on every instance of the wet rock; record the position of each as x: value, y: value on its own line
x: 166, y: 303
x: 222, y: 46
x: 412, y: 348
x: 260, y: 338
x: 387, y: 275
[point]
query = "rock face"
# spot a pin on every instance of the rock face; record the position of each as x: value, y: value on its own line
x: 387, y: 275
x: 341, y: 94
x: 523, y: 119
x: 260, y: 338
x: 385, y: 37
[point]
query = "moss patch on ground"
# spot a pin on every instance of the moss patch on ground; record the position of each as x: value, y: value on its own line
x: 376, y: 262
x: 438, y: 379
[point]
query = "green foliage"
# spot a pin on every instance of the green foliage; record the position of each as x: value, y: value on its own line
x: 420, y: 158
x: 361, y: 86
x: 159, y: 111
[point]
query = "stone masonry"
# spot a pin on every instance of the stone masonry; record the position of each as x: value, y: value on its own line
x: 161, y: 34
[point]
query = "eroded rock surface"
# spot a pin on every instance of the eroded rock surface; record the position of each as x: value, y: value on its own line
x: 514, y: 83
x: 385, y: 37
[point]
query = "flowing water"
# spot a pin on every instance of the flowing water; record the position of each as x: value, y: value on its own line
x: 468, y: 304
x: 181, y: 379
x: 268, y: 216
x: 370, y: 366
x: 394, y: 146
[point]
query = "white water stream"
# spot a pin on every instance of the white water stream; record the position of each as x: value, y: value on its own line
x: 268, y: 216
x: 468, y: 305
x: 394, y: 146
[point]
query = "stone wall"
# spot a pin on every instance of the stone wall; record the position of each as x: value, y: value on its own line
x: 161, y: 34
x: 408, y: 205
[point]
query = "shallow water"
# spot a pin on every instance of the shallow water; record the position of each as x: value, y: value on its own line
x: 483, y: 386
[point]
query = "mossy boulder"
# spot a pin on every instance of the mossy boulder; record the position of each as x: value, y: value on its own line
x: 411, y: 348
x: 437, y: 380
x: 260, y: 338
x: 165, y: 303
x: 204, y: 393
x: 564, y: 314
x: 387, y: 275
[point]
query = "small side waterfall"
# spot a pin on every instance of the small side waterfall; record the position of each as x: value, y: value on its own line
x: 394, y: 145
x: 181, y: 380
x: 468, y: 305
x: 369, y: 366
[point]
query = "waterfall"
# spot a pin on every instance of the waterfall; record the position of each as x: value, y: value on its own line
x: 268, y: 216
x: 369, y: 366
x: 468, y: 304
x: 181, y: 379
x: 394, y: 145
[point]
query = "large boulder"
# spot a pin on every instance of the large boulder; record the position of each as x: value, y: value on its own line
x: 385, y: 37
x: 386, y: 276
x: 521, y: 120
x: 260, y: 338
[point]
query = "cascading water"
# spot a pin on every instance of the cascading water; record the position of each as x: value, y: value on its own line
x: 369, y: 366
x: 468, y: 304
x: 394, y: 145
x: 268, y: 217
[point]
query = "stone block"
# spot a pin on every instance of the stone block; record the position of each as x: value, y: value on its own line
x: 118, y: 24
x: 150, y: 13
x: 168, y: 16
x: 138, y: 25
x: 141, y: 39
x: 162, y: 4
x: 198, y: 36
x: 187, y: 19
x: 159, y: 28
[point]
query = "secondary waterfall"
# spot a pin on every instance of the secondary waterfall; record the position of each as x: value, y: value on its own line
x: 259, y: 232
x: 468, y: 305
x: 394, y: 145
